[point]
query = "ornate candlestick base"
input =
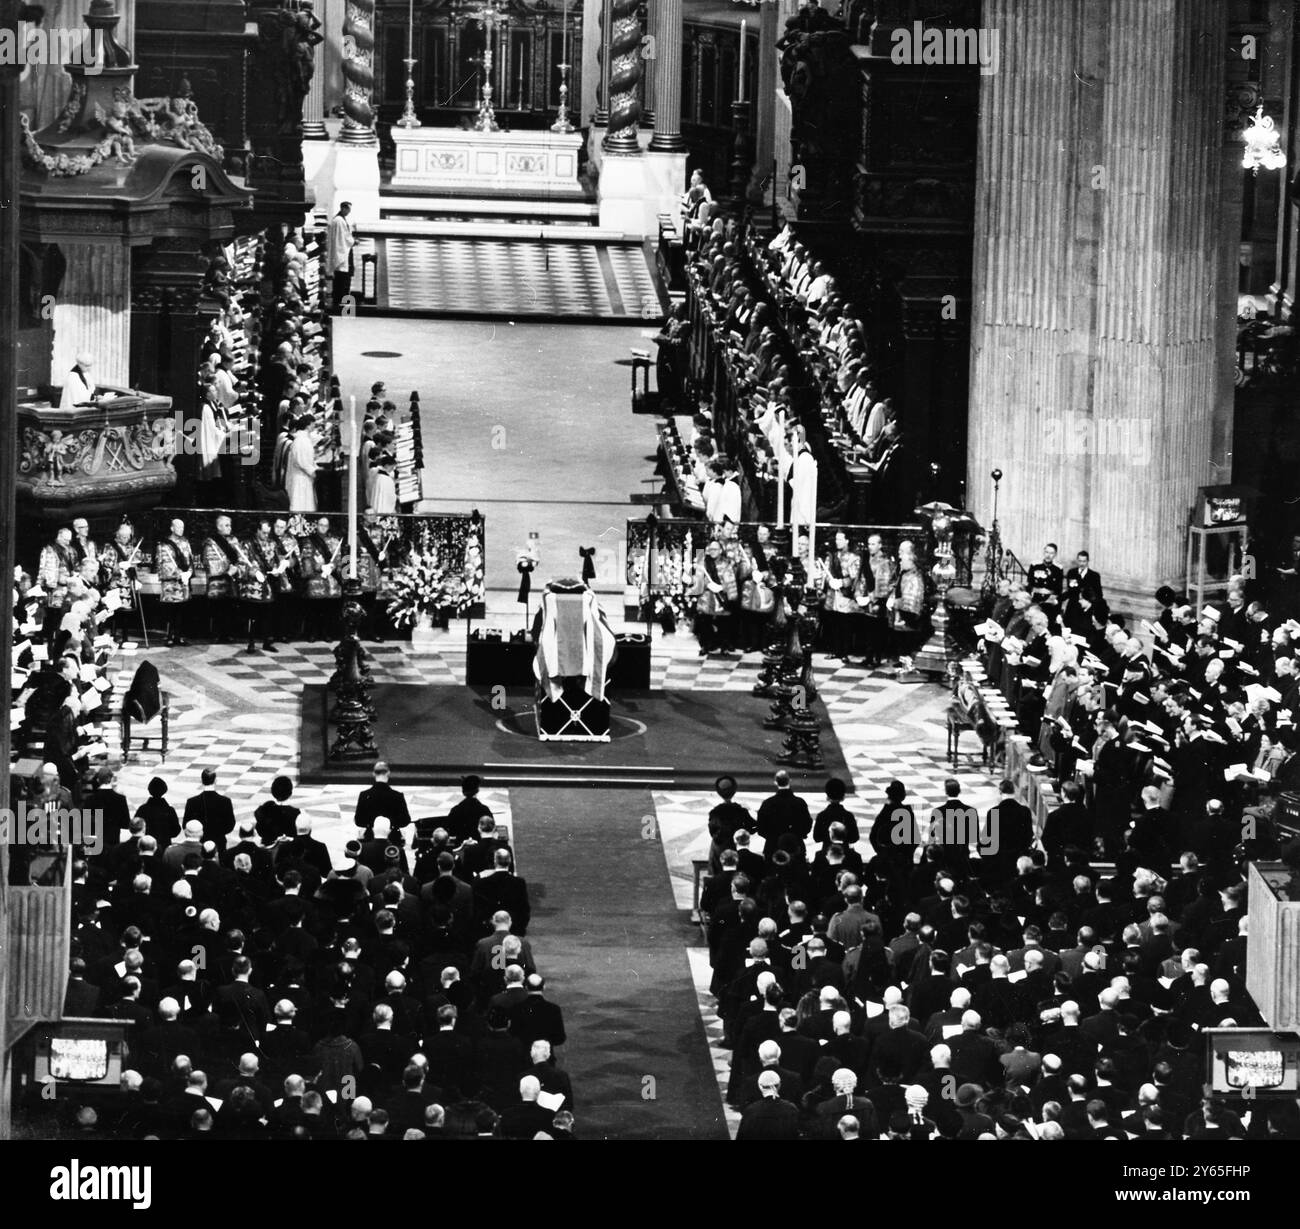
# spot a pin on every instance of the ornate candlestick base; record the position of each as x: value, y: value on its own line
x: 354, y: 710
x: 487, y: 118
x: 409, y: 118
x: 562, y: 115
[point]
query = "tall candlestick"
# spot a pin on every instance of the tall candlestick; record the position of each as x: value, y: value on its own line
x: 354, y: 452
x: 409, y: 119
x: 812, y: 529
x: 740, y: 81
x: 780, y: 471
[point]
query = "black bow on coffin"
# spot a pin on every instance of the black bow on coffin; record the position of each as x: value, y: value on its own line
x: 588, y: 564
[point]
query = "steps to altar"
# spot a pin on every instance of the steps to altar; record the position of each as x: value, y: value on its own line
x: 561, y: 232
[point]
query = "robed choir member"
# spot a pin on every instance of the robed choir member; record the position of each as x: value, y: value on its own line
x: 300, y: 473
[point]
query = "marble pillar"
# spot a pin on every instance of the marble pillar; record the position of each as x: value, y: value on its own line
x: 92, y: 312
x: 625, y: 68
x: 587, y: 76
x: 333, y: 13
x: 765, y: 112
x: 359, y: 74
x: 313, y: 107
x: 666, y: 75
x: 1096, y: 352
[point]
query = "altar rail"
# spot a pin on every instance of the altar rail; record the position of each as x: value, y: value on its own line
x: 457, y: 539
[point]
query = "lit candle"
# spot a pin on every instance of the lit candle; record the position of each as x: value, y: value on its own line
x: 410, y: 30
x: 812, y: 529
x: 353, y: 456
x: 780, y: 471
x: 740, y: 82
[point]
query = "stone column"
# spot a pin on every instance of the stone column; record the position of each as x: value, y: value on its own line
x: 601, y: 117
x: 625, y: 62
x: 92, y: 312
x: 333, y: 13
x: 9, y: 179
x: 1095, y: 347
x: 765, y: 105
x: 587, y: 78
x: 666, y: 75
x: 313, y: 109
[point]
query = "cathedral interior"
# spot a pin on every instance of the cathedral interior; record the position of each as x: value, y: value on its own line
x: 650, y: 569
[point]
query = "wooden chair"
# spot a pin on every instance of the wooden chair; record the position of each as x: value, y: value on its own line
x: 145, y: 705
x: 967, y: 711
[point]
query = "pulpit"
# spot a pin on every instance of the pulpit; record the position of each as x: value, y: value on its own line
x: 115, y: 456
x: 575, y: 647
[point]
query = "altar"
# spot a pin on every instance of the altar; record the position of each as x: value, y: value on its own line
x: 490, y: 162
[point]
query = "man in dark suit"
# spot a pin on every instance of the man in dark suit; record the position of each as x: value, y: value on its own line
x: 305, y: 848
x: 374, y: 849
x: 103, y: 799
x: 381, y: 799
x: 451, y: 1055
x: 1070, y: 824
x: 526, y: 1118
x: 536, y: 1018
x: 386, y: 1048
x: 249, y: 844
x: 169, y: 1037
x: 770, y: 1117
x: 1082, y: 591
x: 974, y: 1056
x: 241, y: 1007
x: 285, y: 1046
x: 899, y: 1044
x: 953, y: 826
x: 770, y: 1058
x: 1008, y: 833
x: 213, y: 810
x: 548, y: 1075
x: 783, y: 812
x: 499, y: 889
x: 80, y: 997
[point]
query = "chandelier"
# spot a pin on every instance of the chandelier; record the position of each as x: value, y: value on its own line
x: 1263, y: 147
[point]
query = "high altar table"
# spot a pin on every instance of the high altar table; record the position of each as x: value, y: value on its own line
x: 454, y: 158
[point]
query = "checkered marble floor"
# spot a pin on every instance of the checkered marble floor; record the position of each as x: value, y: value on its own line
x: 518, y: 277
x: 239, y: 714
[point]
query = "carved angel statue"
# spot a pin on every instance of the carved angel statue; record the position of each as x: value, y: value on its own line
x: 56, y: 452
x: 121, y: 142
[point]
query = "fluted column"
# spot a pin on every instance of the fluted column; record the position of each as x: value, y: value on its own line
x: 359, y: 73
x: 624, y: 75
x: 92, y: 313
x: 666, y: 74
x: 313, y: 108
x: 1095, y: 346
x: 765, y: 107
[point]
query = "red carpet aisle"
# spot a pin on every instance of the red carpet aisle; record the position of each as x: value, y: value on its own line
x: 609, y: 939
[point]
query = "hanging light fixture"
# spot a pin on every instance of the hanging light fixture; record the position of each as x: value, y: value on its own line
x: 1263, y: 146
